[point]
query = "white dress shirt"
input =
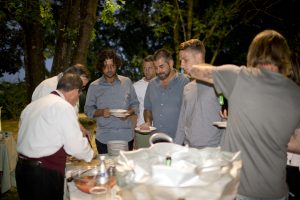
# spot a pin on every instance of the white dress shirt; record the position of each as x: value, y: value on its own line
x: 49, y: 123
x: 46, y: 87
x: 140, y: 90
x: 293, y: 159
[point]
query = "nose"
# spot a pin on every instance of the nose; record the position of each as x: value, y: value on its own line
x: 158, y: 70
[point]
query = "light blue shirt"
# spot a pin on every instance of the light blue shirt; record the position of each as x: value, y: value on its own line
x: 164, y: 103
x: 117, y: 95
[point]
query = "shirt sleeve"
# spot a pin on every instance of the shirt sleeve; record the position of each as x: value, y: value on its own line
x: 90, y: 102
x: 74, y: 142
x: 224, y: 78
x: 41, y: 91
x: 180, y: 133
x: 134, y: 102
x: 147, y: 102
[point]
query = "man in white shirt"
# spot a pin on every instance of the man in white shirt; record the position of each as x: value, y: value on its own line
x: 140, y: 87
x: 49, y: 131
x: 50, y: 84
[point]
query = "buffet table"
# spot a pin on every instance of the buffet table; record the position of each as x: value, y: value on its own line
x: 143, y: 174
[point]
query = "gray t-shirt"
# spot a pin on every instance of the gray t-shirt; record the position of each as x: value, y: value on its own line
x: 264, y: 111
x: 165, y: 103
x: 199, y: 109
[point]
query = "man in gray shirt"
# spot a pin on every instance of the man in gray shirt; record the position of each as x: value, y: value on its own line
x: 264, y: 117
x: 164, y: 95
x: 111, y: 91
x: 200, y: 106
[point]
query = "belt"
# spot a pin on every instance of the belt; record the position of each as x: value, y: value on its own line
x: 25, y: 161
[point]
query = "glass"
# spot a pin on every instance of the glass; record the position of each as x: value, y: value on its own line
x: 99, y: 193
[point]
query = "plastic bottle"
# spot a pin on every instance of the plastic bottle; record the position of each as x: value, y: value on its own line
x: 168, y: 160
x: 223, y: 102
x: 103, y: 176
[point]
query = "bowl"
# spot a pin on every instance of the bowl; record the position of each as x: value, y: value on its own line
x: 86, y: 179
x: 160, y: 137
x: 115, y: 146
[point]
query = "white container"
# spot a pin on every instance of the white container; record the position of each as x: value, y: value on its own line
x: 115, y: 146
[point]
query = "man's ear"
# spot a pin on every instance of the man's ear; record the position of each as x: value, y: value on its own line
x: 171, y: 63
x: 199, y: 57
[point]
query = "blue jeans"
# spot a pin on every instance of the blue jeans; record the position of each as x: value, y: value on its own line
x: 241, y: 197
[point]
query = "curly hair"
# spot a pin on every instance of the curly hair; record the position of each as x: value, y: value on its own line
x: 106, y: 54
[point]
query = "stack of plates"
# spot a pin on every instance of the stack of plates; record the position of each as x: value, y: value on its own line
x: 115, y: 146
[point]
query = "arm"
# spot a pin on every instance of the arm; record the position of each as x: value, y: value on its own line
x: 148, y: 119
x: 294, y: 143
x: 90, y: 107
x: 133, y: 109
x: 74, y: 142
x: 202, y: 72
x: 102, y: 113
x: 180, y: 134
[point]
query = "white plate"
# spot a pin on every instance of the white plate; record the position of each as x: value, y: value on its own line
x: 120, y: 114
x: 113, y: 111
x: 220, y: 124
x: 145, y: 131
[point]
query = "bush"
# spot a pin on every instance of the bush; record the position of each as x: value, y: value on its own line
x: 13, y: 99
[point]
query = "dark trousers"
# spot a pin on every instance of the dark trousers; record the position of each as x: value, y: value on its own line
x: 102, y: 148
x: 293, y: 181
x: 35, y: 182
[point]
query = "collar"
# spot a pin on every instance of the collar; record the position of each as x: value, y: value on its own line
x: 103, y: 80
x: 58, y: 93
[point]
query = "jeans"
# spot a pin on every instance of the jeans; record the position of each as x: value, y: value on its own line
x: 241, y: 197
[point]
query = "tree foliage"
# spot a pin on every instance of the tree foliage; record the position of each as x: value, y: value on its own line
x: 137, y: 28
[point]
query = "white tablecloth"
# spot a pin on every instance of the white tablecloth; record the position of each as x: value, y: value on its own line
x: 8, y: 161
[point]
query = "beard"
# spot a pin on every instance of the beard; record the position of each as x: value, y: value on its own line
x: 109, y: 74
x: 162, y: 76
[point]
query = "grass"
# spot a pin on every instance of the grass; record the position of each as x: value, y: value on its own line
x: 10, y: 126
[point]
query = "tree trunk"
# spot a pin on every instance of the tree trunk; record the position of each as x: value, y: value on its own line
x: 176, y: 36
x: 34, y: 47
x: 66, y: 35
x: 88, y: 19
x: 190, y: 19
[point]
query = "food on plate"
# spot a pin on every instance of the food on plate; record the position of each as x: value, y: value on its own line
x: 85, y: 183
